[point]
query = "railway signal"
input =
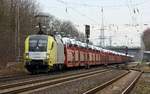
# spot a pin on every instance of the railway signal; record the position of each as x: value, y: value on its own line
x: 87, y: 31
x: 126, y: 50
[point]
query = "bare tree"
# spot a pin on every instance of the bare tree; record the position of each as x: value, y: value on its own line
x: 69, y: 29
x: 10, y: 12
x: 146, y: 39
x: 17, y: 21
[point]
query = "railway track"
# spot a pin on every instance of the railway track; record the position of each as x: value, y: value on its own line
x: 108, y: 86
x: 131, y: 85
x: 39, y: 83
x: 4, y: 79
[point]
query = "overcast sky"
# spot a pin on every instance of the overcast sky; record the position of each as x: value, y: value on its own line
x: 119, y: 17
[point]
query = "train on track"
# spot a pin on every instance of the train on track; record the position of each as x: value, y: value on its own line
x: 44, y: 53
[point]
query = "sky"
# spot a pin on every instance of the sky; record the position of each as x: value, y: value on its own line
x: 119, y: 18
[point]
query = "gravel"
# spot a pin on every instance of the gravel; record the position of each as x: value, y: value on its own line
x: 79, y: 86
x: 25, y: 77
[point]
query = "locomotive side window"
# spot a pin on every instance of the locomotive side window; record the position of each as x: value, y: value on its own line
x: 52, y: 45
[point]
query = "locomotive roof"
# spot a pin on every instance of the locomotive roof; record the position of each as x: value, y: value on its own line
x: 38, y: 35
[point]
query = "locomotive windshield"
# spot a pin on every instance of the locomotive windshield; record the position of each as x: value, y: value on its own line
x: 38, y: 43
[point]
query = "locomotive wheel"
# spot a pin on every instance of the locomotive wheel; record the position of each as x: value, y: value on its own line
x: 60, y: 67
x: 33, y: 72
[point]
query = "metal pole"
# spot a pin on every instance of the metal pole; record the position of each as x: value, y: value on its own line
x: 102, y: 30
x: 87, y: 58
x: 18, y: 31
x: 110, y: 41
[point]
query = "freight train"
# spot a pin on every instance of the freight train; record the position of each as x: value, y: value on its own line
x: 44, y: 53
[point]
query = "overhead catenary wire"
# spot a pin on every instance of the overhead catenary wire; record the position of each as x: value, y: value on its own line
x: 75, y: 10
x: 134, y: 11
x: 129, y: 5
x: 104, y: 6
x: 84, y: 15
x: 130, y: 11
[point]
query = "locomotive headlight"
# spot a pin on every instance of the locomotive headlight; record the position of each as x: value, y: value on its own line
x: 47, y: 55
x: 26, y: 55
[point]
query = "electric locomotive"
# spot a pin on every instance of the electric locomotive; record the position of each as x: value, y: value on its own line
x: 42, y: 53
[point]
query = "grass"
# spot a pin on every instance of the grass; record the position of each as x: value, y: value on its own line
x: 145, y: 67
x: 16, y: 68
x: 142, y: 87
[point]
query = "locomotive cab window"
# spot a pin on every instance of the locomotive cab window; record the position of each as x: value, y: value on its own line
x: 38, y: 44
